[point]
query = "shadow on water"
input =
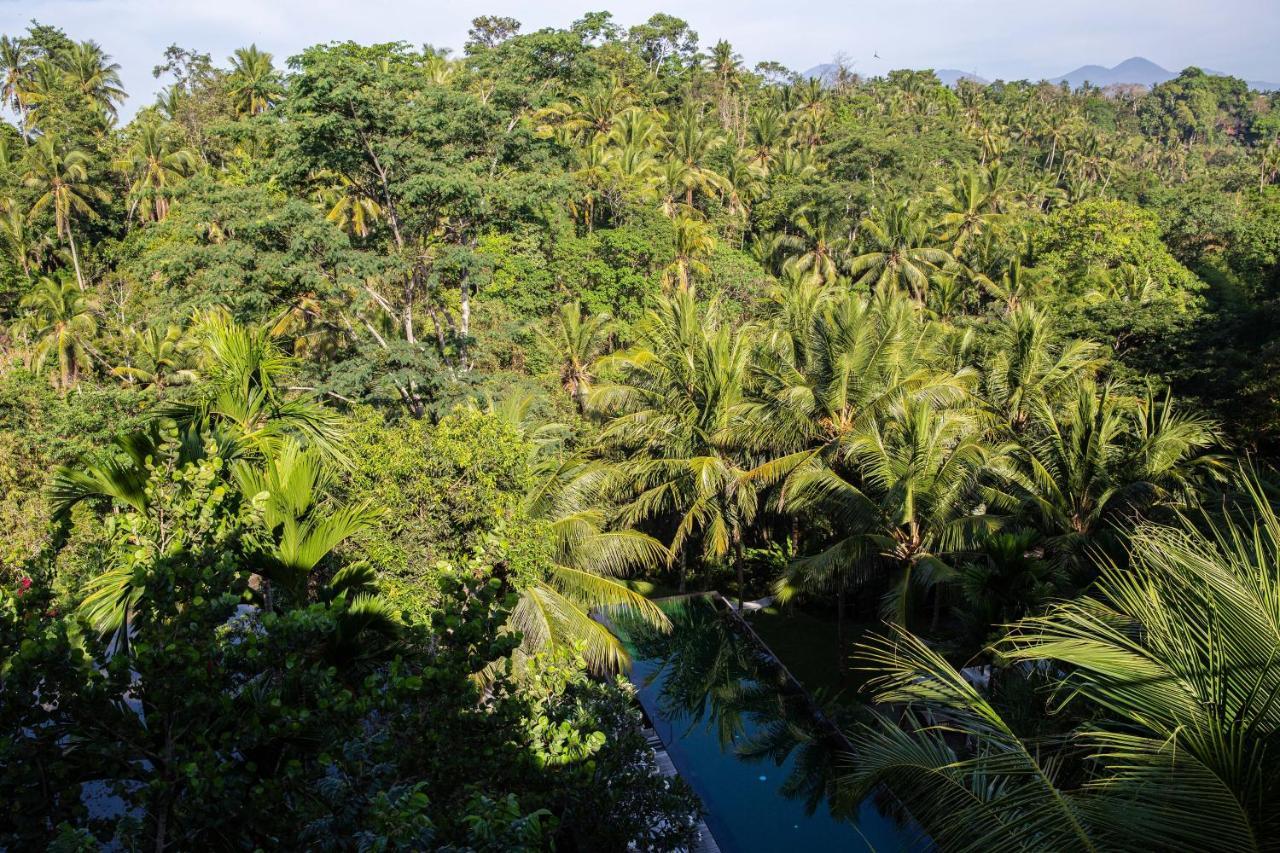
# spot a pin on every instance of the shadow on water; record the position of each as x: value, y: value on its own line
x: 749, y: 741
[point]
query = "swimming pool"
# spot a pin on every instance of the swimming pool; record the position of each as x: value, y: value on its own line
x: 748, y: 742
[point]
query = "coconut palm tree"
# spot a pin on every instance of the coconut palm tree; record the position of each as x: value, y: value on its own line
x: 577, y: 340
x: 94, y: 76
x: 154, y: 164
x: 669, y: 407
x: 65, y: 187
x: 42, y: 88
x: 691, y: 141
x: 1014, y: 286
x: 15, y: 60
x: 917, y: 480
x: 1030, y: 367
x: 589, y: 558
x: 899, y: 257
x: 589, y: 563
x: 969, y: 208
x: 586, y: 117
x: 693, y: 242
x: 253, y: 84
x: 1098, y: 457
x: 1172, y: 657
x: 743, y: 183
x: 19, y: 240
x: 636, y: 127
x: 766, y: 134
x: 61, y: 320
x: 820, y: 243
x: 861, y: 360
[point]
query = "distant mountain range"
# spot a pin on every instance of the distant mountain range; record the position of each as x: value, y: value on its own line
x: 1141, y: 71
x: 1136, y: 70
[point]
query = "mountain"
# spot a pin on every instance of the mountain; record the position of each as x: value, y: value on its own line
x: 1138, y: 70
x: 951, y: 76
x: 1134, y: 70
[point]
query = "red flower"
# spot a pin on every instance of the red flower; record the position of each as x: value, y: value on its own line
x: 24, y: 584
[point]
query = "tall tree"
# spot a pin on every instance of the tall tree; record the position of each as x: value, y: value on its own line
x: 61, y: 320
x: 253, y: 84
x: 65, y: 187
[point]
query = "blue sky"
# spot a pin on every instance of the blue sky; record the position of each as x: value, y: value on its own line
x: 994, y: 38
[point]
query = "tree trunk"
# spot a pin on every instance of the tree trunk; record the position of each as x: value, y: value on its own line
x: 464, y: 322
x: 684, y: 567
x: 75, y: 258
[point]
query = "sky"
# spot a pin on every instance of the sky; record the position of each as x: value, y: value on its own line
x: 996, y: 39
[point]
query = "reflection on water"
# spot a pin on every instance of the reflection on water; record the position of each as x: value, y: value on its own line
x: 748, y: 740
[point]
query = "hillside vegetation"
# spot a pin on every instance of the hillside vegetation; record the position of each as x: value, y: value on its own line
x: 339, y: 392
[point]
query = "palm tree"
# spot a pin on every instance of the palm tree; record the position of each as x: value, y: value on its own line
x: 821, y: 243
x: 577, y: 340
x: 814, y: 405
x: 61, y: 318
x: 254, y: 84
x: 1173, y: 657
x: 917, y: 473
x: 796, y: 163
x: 669, y: 409
x: 62, y: 179
x: 286, y: 487
x: 589, y: 563
x: 743, y: 183
x: 693, y: 242
x: 15, y: 59
x: 899, y: 255
x: 298, y: 528
x: 765, y: 135
x: 94, y: 76
x: 1098, y: 457
x: 1030, y: 368
x: 1014, y: 286
x: 243, y: 396
x: 589, y: 559
x: 41, y: 89
x: 19, y: 240
x: 690, y: 142
x: 635, y: 127
x: 970, y: 207
x: 154, y: 163
x: 587, y: 117
x: 1269, y: 163
x: 158, y: 359
x: 348, y: 208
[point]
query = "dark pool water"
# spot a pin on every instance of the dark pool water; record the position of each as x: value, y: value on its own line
x: 748, y: 742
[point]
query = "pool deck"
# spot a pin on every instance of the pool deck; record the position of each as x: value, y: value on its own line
x: 706, y: 842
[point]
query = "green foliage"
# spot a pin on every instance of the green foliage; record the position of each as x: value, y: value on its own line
x: 296, y: 343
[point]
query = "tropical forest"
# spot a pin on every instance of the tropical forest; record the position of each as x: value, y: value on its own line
x: 582, y: 439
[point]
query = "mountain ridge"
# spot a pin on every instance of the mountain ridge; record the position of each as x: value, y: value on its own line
x: 1136, y: 70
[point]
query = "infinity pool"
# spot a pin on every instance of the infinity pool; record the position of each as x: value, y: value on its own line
x: 748, y: 741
